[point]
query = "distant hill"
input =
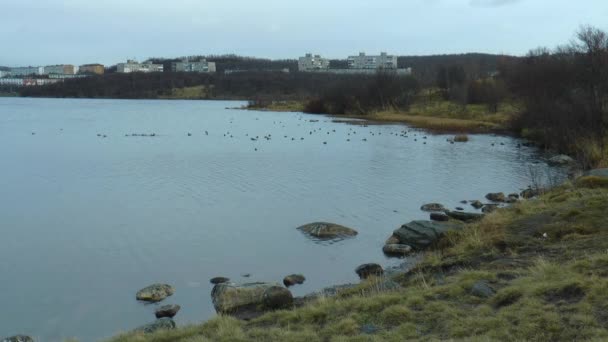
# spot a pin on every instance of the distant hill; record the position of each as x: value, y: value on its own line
x: 3, y: 68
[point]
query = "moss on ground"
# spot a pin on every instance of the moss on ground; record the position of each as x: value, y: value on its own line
x: 547, y: 260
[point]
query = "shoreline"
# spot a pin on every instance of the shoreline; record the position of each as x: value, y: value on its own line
x: 449, y: 280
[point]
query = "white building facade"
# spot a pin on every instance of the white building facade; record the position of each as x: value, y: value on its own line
x: 134, y: 66
x: 26, y: 71
x: 62, y: 69
x: 189, y: 66
x: 363, y: 61
x: 312, y: 62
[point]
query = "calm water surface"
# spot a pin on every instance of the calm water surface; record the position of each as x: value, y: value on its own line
x: 86, y: 221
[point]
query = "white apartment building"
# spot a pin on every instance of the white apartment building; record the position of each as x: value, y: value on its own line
x: 312, y: 63
x: 189, y: 66
x: 134, y: 66
x: 362, y: 61
x: 26, y: 71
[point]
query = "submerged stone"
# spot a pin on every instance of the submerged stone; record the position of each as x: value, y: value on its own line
x: 496, y: 197
x: 155, y: 292
x: 432, y: 207
x: 325, y: 230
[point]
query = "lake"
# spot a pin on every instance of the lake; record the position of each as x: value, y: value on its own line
x: 88, y: 220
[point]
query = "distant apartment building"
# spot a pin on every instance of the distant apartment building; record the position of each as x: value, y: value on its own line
x: 26, y: 71
x: 27, y: 82
x: 91, y: 69
x: 190, y: 66
x: 363, y: 61
x: 134, y: 66
x: 3, y: 73
x: 61, y: 69
x: 312, y: 63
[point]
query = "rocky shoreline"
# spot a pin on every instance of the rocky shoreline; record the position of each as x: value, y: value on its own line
x: 247, y: 301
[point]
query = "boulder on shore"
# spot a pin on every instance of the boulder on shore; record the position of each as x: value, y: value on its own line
x: 432, y: 207
x: 441, y: 217
x: 159, y: 324
x: 293, y: 279
x: 155, y: 292
x: 366, y: 270
x: 488, y: 208
x: 465, y: 217
x: 496, y: 197
x: 396, y: 249
x: 325, y: 230
x: 250, y: 300
x: 167, y: 311
x: 476, y: 204
x: 423, y: 234
x: 18, y: 338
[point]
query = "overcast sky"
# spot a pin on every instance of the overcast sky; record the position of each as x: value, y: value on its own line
x: 39, y: 32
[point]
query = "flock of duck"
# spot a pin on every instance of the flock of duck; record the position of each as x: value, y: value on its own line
x: 351, y: 134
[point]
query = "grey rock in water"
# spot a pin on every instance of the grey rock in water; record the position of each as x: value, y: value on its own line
x: 476, y: 204
x: 423, y: 234
x: 247, y: 301
x: 366, y: 270
x: 432, y: 207
x: 159, y: 324
x: 441, y: 217
x: 465, y: 217
x: 325, y: 230
x: 167, y: 311
x: 155, y: 292
x: 219, y: 280
x: 482, y: 289
x: 560, y: 159
x: 488, y: 208
x: 397, y: 249
x: 18, y: 338
x: 293, y: 279
x: 496, y: 197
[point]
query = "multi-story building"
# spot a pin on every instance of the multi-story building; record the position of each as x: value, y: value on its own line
x: 134, y: 66
x: 26, y: 71
x: 312, y: 63
x: 3, y: 73
x: 189, y: 66
x: 362, y: 61
x: 91, y: 69
x: 61, y: 69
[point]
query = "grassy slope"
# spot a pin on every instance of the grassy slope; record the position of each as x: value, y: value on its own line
x: 548, y: 289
